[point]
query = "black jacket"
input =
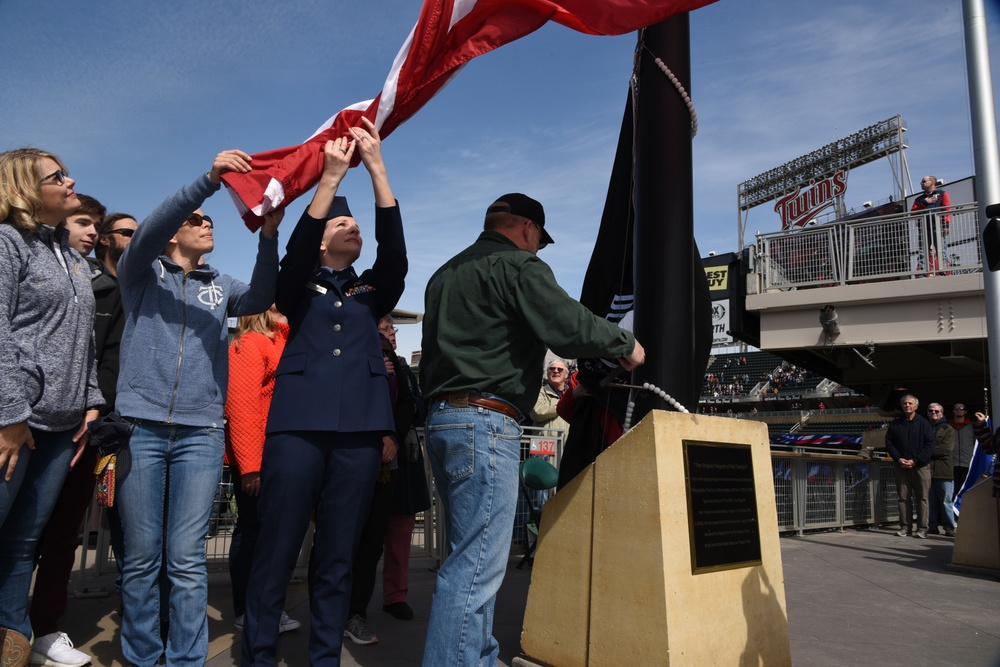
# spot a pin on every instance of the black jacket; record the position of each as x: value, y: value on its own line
x: 109, y: 322
x: 910, y: 439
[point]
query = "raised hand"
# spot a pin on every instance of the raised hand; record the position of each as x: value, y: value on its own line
x: 231, y: 160
x: 271, y: 222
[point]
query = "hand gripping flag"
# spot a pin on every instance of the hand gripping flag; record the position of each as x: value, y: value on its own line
x: 448, y: 34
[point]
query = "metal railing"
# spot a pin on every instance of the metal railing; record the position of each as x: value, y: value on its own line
x: 813, y: 491
x: 894, y: 247
x: 98, y: 568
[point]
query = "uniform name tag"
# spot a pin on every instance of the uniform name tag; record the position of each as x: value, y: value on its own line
x: 317, y: 288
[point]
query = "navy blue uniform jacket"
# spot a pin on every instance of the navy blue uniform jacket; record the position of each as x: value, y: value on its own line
x: 331, y: 376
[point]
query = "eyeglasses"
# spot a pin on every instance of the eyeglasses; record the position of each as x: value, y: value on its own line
x: 933, y: 410
x: 541, y: 234
x: 557, y: 370
x: 57, y: 177
x: 196, y: 220
x: 386, y: 330
x: 125, y: 231
x: 958, y: 410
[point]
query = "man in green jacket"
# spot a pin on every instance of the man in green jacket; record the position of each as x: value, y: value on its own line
x: 491, y: 312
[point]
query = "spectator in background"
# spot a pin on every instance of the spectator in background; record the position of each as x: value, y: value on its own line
x: 172, y: 387
x: 409, y: 491
x: 58, y: 544
x: 81, y: 226
x: 374, y: 531
x: 909, y: 440
x: 545, y: 414
x: 965, y: 444
x: 930, y: 200
x: 48, y: 372
x: 942, y: 490
x: 253, y: 358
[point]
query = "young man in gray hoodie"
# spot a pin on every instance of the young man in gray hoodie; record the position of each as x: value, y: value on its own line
x: 172, y: 386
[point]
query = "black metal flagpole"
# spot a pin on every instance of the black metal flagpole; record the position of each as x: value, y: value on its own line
x: 672, y: 306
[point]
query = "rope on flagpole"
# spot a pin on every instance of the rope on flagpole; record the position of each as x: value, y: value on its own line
x: 680, y: 89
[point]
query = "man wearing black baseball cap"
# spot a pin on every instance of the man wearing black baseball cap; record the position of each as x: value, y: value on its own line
x: 491, y: 312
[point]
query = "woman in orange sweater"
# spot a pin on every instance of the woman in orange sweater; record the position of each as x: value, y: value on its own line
x: 253, y: 356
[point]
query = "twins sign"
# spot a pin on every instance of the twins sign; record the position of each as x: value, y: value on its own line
x: 799, y: 207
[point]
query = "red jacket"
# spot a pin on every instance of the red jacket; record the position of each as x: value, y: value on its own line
x: 251, y: 383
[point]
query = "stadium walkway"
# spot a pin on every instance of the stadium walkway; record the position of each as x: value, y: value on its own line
x: 854, y: 598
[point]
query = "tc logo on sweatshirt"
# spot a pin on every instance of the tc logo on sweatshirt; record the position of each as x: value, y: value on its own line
x: 210, y: 295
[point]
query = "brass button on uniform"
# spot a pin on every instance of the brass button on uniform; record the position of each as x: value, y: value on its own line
x: 338, y: 304
x: 336, y: 327
x: 336, y: 352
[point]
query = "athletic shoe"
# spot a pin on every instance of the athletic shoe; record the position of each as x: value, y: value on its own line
x: 921, y: 534
x: 285, y: 623
x: 903, y: 533
x: 357, y: 631
x: 57, y: 650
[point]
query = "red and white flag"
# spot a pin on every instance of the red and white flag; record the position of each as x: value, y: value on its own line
x: 448, y: 34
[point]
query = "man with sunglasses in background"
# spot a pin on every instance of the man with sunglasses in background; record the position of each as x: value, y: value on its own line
x: 172, y: 388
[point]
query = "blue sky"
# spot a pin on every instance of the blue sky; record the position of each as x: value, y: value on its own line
x: 137, y: 98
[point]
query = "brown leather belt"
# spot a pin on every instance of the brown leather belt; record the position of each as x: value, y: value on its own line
x: 460, y: 399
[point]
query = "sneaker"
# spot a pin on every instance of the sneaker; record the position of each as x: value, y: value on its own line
x: 949, y: 532
x: 57, y: 650
x: 287, y: 623
x: 903, y: 533
x: 400, y: 610
x: 357, y: 631
x: 920, y: 534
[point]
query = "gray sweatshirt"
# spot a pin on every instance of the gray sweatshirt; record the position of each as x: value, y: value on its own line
x: 48, y: 374
x: 174, y: 351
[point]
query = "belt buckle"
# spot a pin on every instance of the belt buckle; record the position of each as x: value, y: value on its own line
x: 458, y: 399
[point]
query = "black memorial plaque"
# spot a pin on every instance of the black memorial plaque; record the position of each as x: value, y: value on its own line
x: 722, y: 506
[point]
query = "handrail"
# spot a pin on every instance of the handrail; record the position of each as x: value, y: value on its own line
x: 902, y: 246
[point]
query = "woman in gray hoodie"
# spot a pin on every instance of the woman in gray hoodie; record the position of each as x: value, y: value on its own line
x: 48, y: 378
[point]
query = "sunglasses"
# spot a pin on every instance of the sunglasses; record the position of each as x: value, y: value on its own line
x: 126, y: 232
x: 557, y: 370
x: 196, y: 220
x: 57, y: 177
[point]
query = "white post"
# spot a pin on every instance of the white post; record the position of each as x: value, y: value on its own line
x: 984, y: 145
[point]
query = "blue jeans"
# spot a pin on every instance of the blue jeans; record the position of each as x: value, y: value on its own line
x: 942, y: 505
x: 474, y: 453
x: 180, y: 466
x: 26, y: 502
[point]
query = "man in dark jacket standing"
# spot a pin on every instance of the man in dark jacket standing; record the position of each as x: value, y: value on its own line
x: 942, y: 510
x: 965, y: 444
x: 910, y: 442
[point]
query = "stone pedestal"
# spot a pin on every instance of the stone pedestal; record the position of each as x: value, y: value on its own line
x: 978, y: 541
x: 628, y: 569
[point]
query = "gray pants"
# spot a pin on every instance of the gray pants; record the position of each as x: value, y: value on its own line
x: 913, y: 485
